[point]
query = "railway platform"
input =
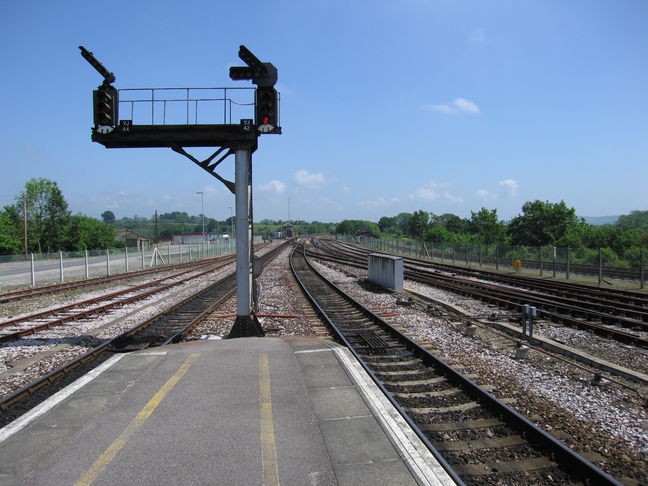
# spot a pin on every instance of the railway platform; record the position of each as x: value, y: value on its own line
x: 291, y: 411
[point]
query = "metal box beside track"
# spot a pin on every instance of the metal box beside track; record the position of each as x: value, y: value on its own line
x: 386, y: 271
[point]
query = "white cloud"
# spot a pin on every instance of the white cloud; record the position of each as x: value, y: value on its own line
x: 450, y: 198
x: 429, y: 192
x: 305, y: 178
x: 510, y: 186
x: 276, y: 186
x: 459, y: 105
x: 485, y: 195
x: 440, y: 108
x: 426, y: 193
x: 466, y: 105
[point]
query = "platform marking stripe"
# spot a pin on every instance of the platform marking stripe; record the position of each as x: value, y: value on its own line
x: 109, y: 454
x: 414, y: 453
x: 57, y: 398
x: 268, y: 446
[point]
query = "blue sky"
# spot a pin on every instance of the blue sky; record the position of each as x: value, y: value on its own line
x: 439, y: 105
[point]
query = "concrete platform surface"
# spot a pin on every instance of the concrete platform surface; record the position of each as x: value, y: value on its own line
x: 250, y: 411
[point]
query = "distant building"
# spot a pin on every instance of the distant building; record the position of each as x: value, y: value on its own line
x: 133, y: 239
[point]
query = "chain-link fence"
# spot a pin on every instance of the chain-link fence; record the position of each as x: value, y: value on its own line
x: 601, y: 264
x: 43, y: 268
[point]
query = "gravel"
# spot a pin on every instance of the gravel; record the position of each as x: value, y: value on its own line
x: 607, y: 419
x: 54, y: 347
x: 279, y: 295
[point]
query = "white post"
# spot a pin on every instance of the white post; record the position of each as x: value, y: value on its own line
x: 169, y: 253
x: 61, y: 264
x: 180, y: 252
x: 246, y: 324
x: 87, y: 269
x: 142, y: 254
x: 243, y: 234
x: 107, y: 262
x: 126, y: 256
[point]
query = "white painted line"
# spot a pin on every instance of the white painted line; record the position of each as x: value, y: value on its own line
x: 313, y: 350
x: 151, y: 353
x: 211, y: 337
x: 22, y: 421
x: 417, y: 457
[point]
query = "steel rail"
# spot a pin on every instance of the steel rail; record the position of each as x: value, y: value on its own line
x: 10, y: 336
x: 514, y: 301
x: 640, y: 298
x: 114, y: 344
x: 622, y: 303
x: 183, y: 331
x: 515, y: 336
x: 584, y: 269
x: 576, y: 463
x: 29, y: 293
x: 495, y: 294
x: 340, y: 336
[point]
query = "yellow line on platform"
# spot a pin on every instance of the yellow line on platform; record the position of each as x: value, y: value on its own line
x: 268, y: 447
x: 109, y: 454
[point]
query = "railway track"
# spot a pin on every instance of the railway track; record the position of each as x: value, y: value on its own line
x: 477, y: 437
x: 619, y: 315
x: 28, y: 293
x: 25, y: 325
x: 514, y: 337
x: 169, y: 326
x: 560, y: 288
x: 585, y: 269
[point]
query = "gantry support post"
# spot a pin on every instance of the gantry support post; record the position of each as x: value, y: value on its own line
x: 240, y: 140
x: 246, y: 323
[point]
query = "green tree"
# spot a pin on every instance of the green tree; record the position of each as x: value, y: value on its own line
x: 108, y: 217
x: 316, y: 228
x: 451, y: 222
x: 387, y: 224
x: 542, y: 223
x: 86, y: 233
x: 10, y: 231
x: 47, y: 213
x: 636, y: 219
x: 487, y: 227
x: 352, y: 226
x: 438, y: 234
x: 418, y: 224
x: 401, y: 220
